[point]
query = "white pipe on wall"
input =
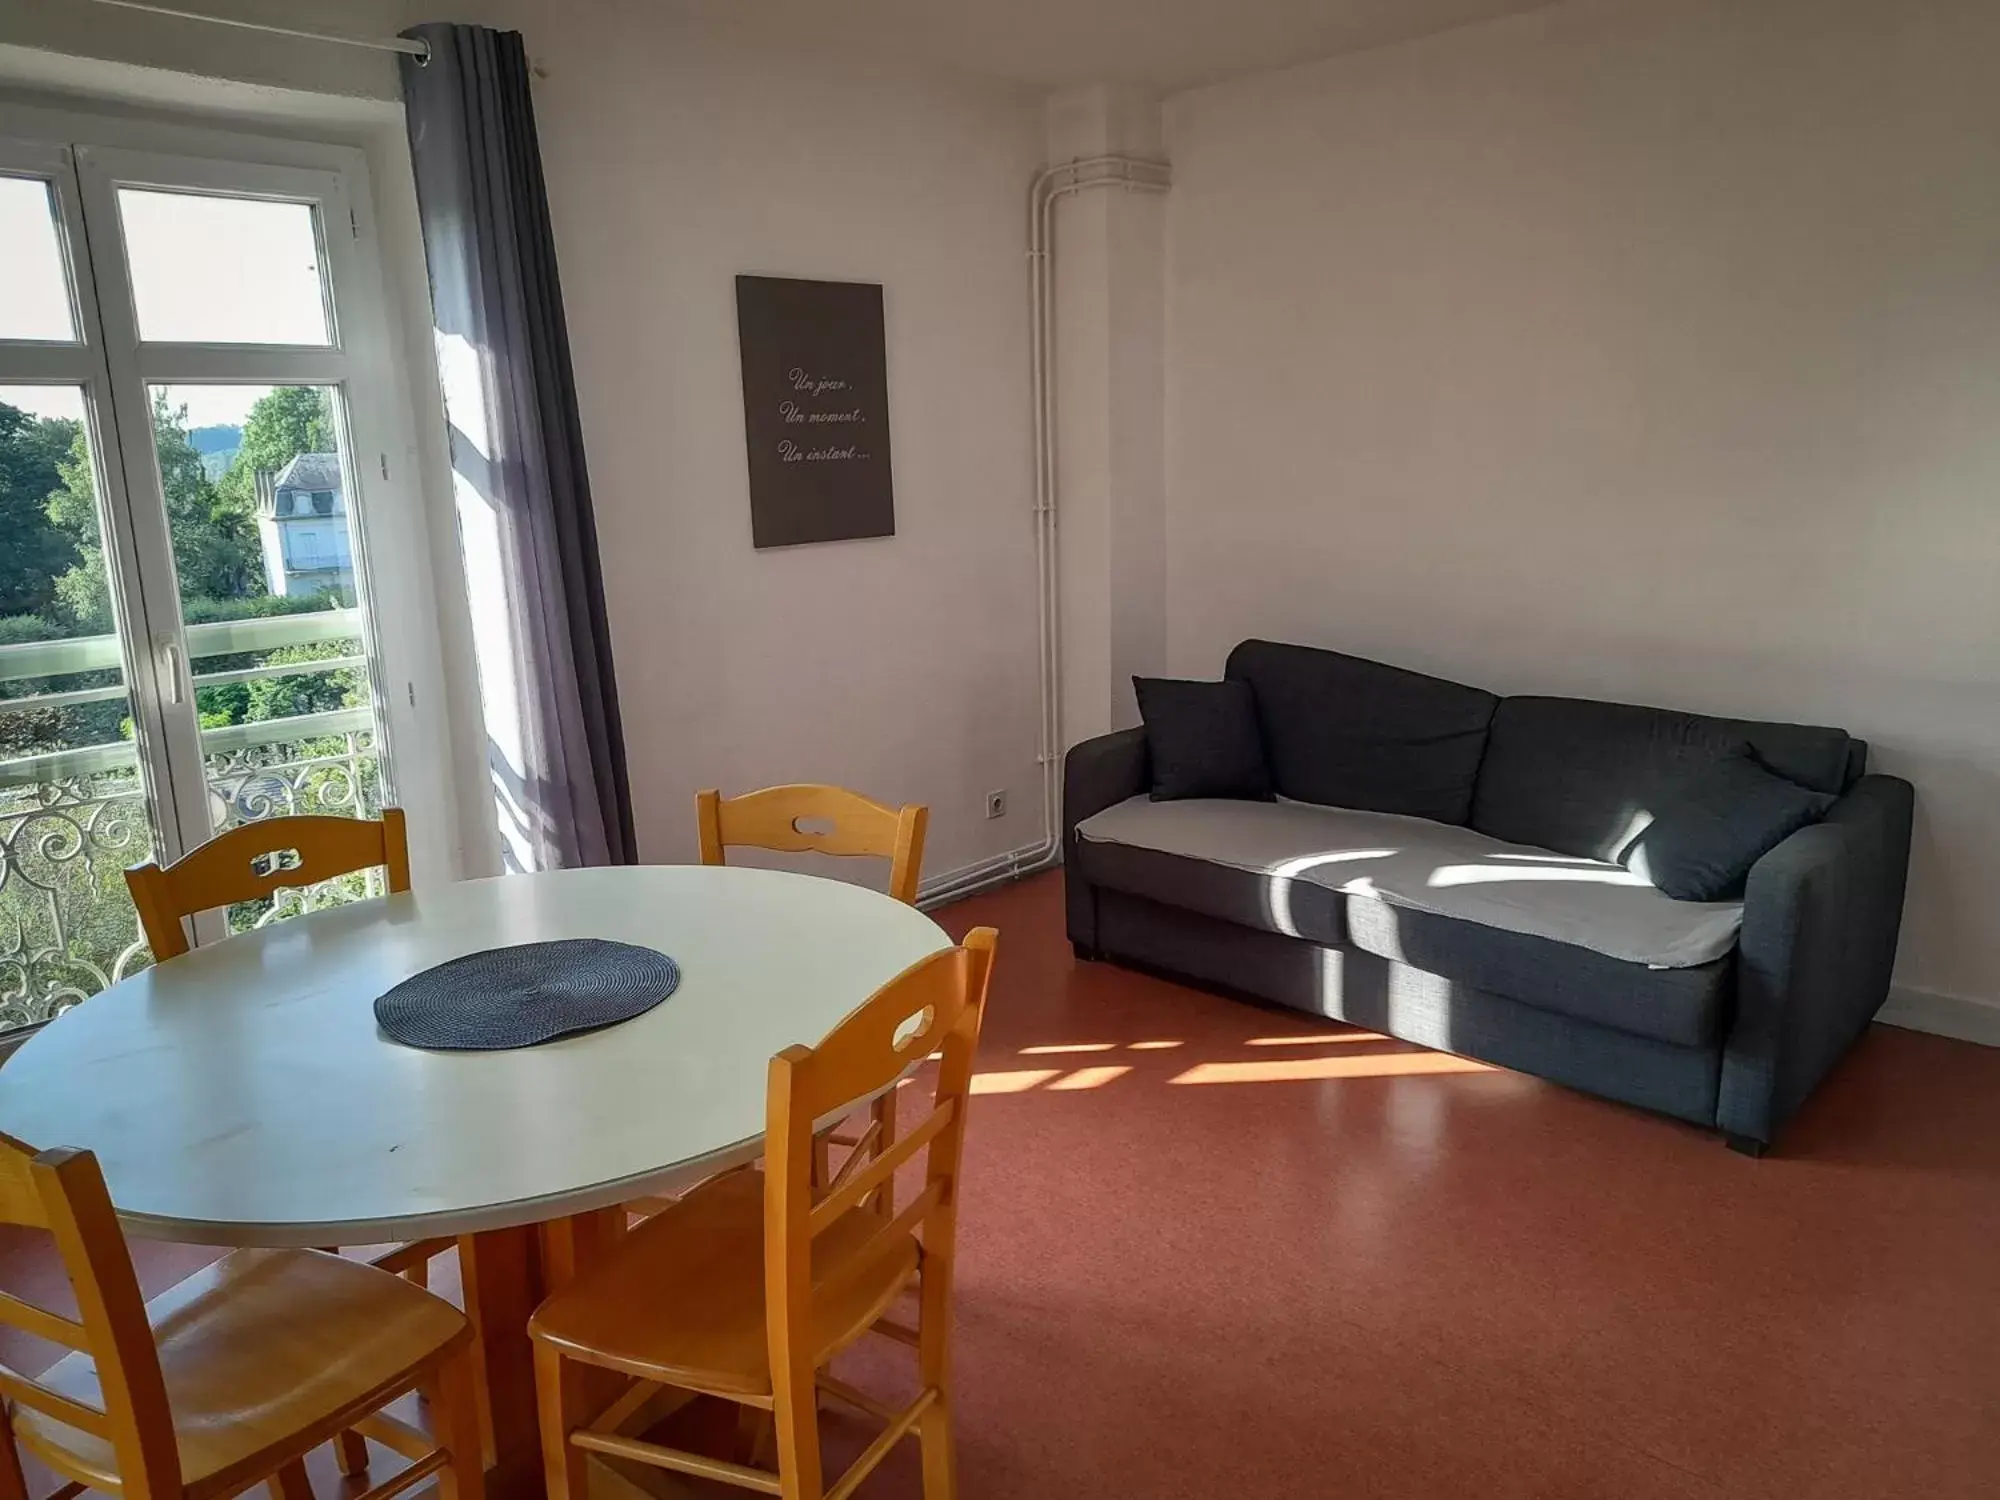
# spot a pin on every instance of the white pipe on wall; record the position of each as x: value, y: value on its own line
x: 1134, y: 174
x: 1050, y: 186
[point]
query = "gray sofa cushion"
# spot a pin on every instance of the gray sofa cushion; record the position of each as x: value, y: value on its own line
x: 1203, y: 739
x: 1579, y: 777
x: 1428, y: 866
x: 1717, y: 823
x: 1682, y: 1006
x: 1345, y: 732
x: 1227, y: 892
x: 1399, y: 1000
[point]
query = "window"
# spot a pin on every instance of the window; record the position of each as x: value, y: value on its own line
x: 209, y: 268
x: 174, y: 333
x: 34, y: 289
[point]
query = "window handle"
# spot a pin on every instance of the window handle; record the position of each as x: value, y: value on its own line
x: 176, y: 662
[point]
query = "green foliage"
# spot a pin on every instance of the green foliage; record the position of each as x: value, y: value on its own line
x: 52, y: 569
x: 307, y: 692
x: 227, y: 704
x: 18, y: 630
x: 216, y: 550
x: 82, y: 593
x: 29, y: 731
x: 36, y: 551
x: 264, y: 699
x: 209, y: 611
x: 53, y: 585
x: 53, y: 564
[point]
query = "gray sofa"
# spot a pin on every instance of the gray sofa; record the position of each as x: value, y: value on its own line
x: 1440, y: 866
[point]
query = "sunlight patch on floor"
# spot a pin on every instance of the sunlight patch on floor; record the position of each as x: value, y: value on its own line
x: 1012, y: 1081
x: 1088, y: 1078
x: 1302, y: 1069
x: 1315, y: 1039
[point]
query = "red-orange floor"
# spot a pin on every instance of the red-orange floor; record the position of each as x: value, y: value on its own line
x: 1372, y: 1279
x: 1211, y: 1250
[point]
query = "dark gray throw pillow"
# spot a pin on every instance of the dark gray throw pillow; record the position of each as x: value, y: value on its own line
x: 1203, y: 740
x: 1716, y: 823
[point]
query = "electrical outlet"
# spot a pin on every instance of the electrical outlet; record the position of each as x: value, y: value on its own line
x: 996, y: 804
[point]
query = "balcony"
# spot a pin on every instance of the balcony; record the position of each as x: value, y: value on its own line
x: 73, y: 817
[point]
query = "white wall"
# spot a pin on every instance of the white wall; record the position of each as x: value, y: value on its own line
x: 1109, y: 369
x: 902, y: 667
x: 81, y: 28
x: 1640, y: 350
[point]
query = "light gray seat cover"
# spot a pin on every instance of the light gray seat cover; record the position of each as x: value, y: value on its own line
x: 1431, y: 867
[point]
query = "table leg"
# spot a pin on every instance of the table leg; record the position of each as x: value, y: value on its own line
x: 506, y: 1274
x: 502, y: 1281
x: 569, y: 1245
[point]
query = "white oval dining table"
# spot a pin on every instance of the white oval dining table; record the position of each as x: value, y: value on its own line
x: 242, y: 1094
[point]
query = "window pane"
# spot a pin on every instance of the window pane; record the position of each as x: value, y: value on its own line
x: 34, y: 293
x: 208, y: 270
x: 73, y: 810
x: 257, y: 505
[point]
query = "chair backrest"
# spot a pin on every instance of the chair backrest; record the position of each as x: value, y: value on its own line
x: 62, y: 1191
x: 934, y: 1006
x: 250, y: 861
x: 777, y: 818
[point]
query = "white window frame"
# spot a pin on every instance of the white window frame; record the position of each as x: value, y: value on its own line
x: 385, y: 498
x: 82, y: 364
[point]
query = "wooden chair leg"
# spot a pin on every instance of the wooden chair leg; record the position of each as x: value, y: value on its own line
x: 796, y: 1422
x: 350, y: 1451
x: 290, y: 1482
x: 13, y: 1483
x: 453, y: 1393
x: 753, y: 1435
x: 934, y: 1369
x: 934, y: 1436
x: 558, y: 1383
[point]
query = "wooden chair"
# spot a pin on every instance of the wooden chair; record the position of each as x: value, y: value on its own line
x: 244, y: 864
x: 231, y: 1378
x: 854, y: 825
x: 687, y: 1301
x: 247, y: 862
x: 777, y: 819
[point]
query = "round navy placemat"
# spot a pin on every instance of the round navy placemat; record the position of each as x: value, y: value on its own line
x: 519, y: 997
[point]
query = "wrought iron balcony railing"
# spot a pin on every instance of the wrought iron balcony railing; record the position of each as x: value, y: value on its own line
x: 72, y: 817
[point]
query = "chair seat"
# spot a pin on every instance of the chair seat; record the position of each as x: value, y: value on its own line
x: 262, y: 1351
x: 681, y: 1299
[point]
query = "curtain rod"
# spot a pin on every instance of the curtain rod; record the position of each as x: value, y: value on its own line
x: 420, y: 50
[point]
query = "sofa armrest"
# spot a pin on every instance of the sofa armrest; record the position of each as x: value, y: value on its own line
x: 1820, y: 920
x: 1097, y: 774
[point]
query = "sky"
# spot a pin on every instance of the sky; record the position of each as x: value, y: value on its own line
x: 203, y: 270
x: 207, y: 405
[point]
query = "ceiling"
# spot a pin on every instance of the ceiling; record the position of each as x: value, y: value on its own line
x: 1166, y: 45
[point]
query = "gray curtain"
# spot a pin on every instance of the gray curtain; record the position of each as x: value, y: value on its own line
x: 555, y: 746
